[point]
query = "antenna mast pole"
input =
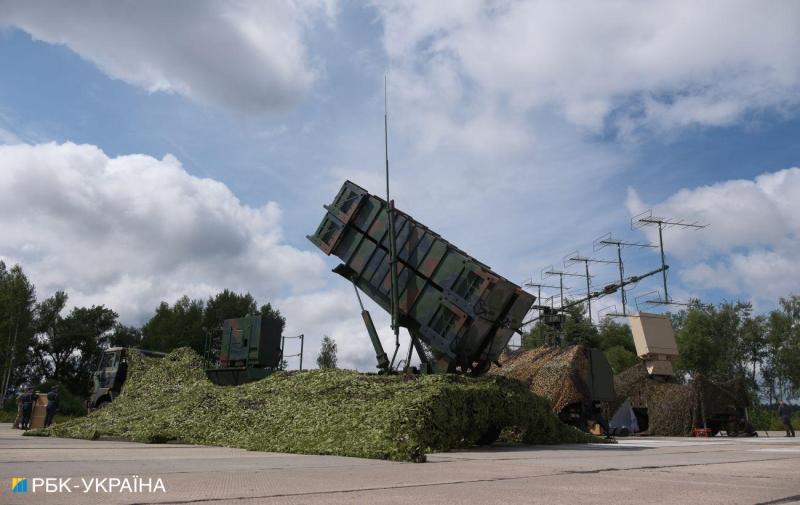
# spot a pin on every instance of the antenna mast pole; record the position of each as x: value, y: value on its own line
x: 390, y: 216
x: 647, y: 218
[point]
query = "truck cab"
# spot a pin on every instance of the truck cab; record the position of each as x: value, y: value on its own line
x: 109, y: 377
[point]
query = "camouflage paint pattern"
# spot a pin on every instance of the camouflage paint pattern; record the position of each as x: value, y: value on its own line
x: 251, y: 342
x: 456, y: 305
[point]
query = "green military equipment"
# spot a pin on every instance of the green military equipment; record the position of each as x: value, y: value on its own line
x: 455, y: 305
x: 601, y: 378
x: 250, y: 350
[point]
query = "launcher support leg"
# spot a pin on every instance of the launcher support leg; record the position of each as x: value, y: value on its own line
x: 380, y: 354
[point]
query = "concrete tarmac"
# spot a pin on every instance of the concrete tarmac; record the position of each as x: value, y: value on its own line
x: 636, y: 471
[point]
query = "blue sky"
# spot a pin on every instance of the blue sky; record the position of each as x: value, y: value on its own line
x: 520, y: 131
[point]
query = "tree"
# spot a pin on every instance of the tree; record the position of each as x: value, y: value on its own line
x: 781, y: 363
x: 711, y: 339
x: 616, y: 341
x: 17, y: 302
x: 70, y: 345
x: 614, y: 334
x: 754, y: 344
x: 227, y: 305
x: 179, y: 325
x: 125, y: 336
x: 575, y: 328
x: 49, y: 325
x: 327, y: 353
x: 269, y: 312
x: 620, y: 358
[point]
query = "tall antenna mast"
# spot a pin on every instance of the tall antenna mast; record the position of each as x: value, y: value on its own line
x: 390, y: 218
x: 607, y: 240
x: 647, y: 218
x: 539, y: 307
x: 575, y: 257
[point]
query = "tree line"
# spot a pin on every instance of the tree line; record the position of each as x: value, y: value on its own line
x: 41, y: 341
x: 721, y: 342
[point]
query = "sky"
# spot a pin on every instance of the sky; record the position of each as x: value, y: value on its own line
x: 154, y: 149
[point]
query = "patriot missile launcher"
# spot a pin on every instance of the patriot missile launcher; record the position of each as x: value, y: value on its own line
x: 459, y: 313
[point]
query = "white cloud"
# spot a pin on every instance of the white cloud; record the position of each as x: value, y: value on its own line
x: 629, y: 65
x: 752, y: 245
x: 249, y: 56
x: 336, y: 313
x: 130, y: 231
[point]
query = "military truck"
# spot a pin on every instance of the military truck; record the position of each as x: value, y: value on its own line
x: 109, y: 377
x: 459, y: 313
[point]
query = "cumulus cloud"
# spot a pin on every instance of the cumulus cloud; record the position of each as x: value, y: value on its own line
x: 249, y: 56
x: 752, y: 245
x: 622, y: 65
x: 130, y: 231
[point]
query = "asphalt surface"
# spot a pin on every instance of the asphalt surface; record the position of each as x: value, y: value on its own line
x: 637, y: 471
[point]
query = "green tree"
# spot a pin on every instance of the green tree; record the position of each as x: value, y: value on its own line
x: 17, y: 303
x: 615, y: 334
x: 616, y: 341
x: 570, y: 327
x: 753, y: 344
x: 267, y: 311
x: 227, y: 305
x: 577, y: 329
x: 711, y: 339
x: 70, y: 345
x: 179, y: 325
x: 781, y: 363
x: 620, y: 358
x: 49, y: 341
x: 125, y: 336
x: 327, y: 353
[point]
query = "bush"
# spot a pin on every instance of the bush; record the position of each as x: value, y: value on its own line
x: 765, y: 418
x: 319, y: 412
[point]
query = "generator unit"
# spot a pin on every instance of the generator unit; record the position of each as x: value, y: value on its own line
x: 250, y: 349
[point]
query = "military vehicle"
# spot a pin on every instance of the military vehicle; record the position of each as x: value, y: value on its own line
x: 459, y: 313
x: 250, y: 349
x: 109, y: 377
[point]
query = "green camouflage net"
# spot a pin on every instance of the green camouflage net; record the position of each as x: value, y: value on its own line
x: 337, y: 412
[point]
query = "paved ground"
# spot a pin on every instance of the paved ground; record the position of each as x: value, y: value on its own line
x: 637, y: 471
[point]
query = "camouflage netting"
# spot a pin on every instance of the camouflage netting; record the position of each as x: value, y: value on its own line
x: 557, y: 374
x: 674, y: 409
x: 318, y: 412
x: 669, y: 406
